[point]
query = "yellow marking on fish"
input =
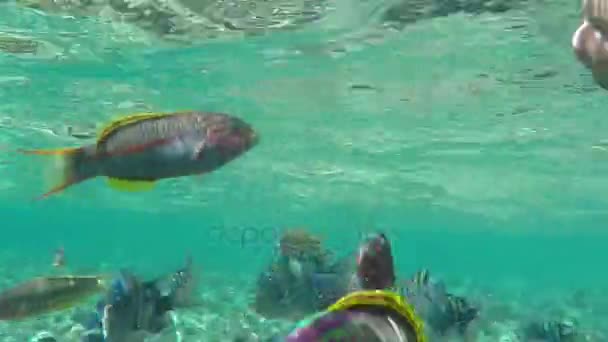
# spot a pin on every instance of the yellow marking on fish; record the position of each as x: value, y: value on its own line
x: 51, y: 152
x: 387, y: 300
x: 124, y: 121
x: 130, y: 185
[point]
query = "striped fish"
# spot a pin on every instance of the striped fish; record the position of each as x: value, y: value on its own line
x: 135, y: 151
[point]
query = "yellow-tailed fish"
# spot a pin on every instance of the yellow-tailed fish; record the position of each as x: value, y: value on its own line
x: 47, y: 294
x: 135, y: 151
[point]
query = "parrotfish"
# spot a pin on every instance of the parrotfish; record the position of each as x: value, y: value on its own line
x: 135, y: 151
x: 47, y: 294
x: 372, y: 268
x: 375, y: 266
x: 133, y: 309
x: 370, y: 316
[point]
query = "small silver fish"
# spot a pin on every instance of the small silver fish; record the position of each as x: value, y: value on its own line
x: 47, y: 294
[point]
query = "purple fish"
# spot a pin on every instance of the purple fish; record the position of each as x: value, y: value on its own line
x: 375, y: 267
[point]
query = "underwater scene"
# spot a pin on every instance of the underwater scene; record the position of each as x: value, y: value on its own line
x: 303, y: 170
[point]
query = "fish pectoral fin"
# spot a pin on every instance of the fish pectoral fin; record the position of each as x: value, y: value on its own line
x: 130, y: 185
x: 198, y: 150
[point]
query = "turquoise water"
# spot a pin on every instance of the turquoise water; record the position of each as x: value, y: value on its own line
x: 477, y: 142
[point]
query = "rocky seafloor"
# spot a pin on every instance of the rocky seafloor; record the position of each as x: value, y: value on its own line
x: 222, y: 314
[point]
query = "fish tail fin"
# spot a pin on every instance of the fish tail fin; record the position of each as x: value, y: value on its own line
x: 68, y: 168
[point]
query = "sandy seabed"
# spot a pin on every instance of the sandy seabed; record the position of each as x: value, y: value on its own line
x: 222, y: 314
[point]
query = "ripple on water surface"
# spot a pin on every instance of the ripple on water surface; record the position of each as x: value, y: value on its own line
x: 480, y: 113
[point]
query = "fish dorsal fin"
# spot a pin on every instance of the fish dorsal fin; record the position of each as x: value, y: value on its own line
x: 124, y: 121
